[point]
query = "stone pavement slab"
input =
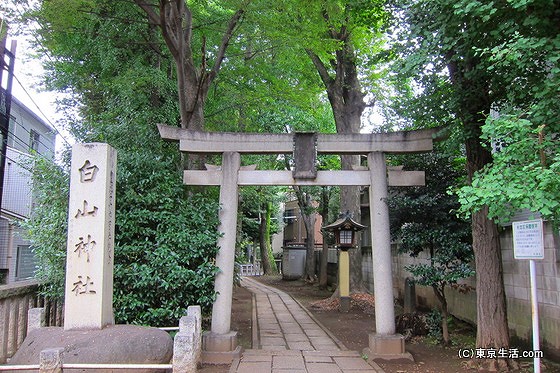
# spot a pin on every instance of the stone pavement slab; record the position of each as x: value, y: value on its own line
x: 290, y: 340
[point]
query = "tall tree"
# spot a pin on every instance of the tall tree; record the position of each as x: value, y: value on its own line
x: 444, y: 43
x: 259, y: 205
x: 438, y: 44
x: 524, y: 174
x: 309, y: 216
x: 122, y: 87
x: 268, y: 263
x: 175, y: 20
x: 351, y: 31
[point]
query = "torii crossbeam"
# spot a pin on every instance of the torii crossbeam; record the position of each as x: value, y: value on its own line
x: 220, y: 344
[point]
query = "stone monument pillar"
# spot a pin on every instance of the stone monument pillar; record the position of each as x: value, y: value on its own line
x: 91, y: 227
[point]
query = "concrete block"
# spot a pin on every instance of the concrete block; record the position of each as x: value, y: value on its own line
x: 50, y: 360
x: 547, y: 297
x: 196, y: 313
x: 220, y: 348
x: 508, y: 279
x: 35, y: 319
x: 521, y: 293
x: 387, y: 347
x: 184, y: 353
x: 509, y: 291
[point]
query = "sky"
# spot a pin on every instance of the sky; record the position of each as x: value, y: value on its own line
x: 26, y: 88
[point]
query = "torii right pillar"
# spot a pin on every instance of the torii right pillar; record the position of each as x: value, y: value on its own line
x: 384, y: 344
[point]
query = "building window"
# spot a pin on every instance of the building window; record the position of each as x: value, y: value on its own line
x: 26, y: 263
x: 33, y: 141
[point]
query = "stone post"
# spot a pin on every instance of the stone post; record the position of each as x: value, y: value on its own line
x: 381, y: 246
x: 51, y: 360
x: 35, y: 319
x: 91, y: 227
x: 384, y: 344
x: 186, y: 345
x: 409, y: 295
x: 220, y: 344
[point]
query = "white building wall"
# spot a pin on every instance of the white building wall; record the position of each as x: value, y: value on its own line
x: 27, y: 134
x: 17, y: 185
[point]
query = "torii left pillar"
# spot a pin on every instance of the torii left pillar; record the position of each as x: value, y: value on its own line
x: 219, y: 345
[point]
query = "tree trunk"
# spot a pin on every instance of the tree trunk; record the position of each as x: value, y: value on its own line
x: 267, y: 260
x: 439, y: 291
x: 347, y: 102
x: 174, y: 18
x: 323, y: 266
x: 444, y: 325
x: 491, y: 320
x: 309, y: 222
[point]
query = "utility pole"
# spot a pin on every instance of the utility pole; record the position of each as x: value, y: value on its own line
x: 7, y: 60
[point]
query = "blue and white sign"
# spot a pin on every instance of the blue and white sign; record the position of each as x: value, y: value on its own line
x: 528, y: 239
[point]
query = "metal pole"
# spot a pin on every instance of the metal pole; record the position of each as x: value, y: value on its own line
x: 5, y: 104
x: 535, y: 316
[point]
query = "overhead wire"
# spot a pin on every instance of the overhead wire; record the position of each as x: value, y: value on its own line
x: 41, y: 111
x: 35, y: 35
x: 34, y: 153
x: 23, y: 142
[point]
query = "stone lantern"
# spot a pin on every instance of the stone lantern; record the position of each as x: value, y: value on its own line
x: 344, y: 230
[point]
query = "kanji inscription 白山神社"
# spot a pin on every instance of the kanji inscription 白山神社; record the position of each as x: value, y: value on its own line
x: 89, y: 263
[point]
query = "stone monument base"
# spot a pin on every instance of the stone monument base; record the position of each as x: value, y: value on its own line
x: 124, y: 344
x: 220, y: 348
x: 386, y: 348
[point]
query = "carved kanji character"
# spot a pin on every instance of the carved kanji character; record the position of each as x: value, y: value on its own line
x: 85, y: 211
x: 83, y: 287
x: 85, y: 247
x: 88, y: 172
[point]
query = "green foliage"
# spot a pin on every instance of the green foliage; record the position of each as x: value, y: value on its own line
x: 165, y: 239
x: 423, y: 220
x: 525, y: 173
x: 433, y: 319
x: 446, y: 266
x: 165, y: 245
x: 47, y: 226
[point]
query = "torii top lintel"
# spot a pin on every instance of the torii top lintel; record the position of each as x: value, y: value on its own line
x: 416, y: 141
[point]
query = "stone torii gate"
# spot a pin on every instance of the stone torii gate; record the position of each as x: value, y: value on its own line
x: 220, y: 344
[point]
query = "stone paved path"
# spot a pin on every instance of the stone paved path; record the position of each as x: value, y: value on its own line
x: 287, y: 339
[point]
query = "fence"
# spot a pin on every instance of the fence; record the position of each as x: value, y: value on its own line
x: 187, y: 350
x: 15, y: 301
x: 250, y: 269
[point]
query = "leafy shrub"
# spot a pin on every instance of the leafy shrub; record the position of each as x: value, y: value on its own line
x: 433, y: 319
x: 165, y: 239
x: 165, y: 244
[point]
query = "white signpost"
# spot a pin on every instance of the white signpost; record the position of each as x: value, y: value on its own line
x: 528, y: 243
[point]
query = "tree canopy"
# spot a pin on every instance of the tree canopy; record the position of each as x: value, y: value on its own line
x: 488, y: 70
